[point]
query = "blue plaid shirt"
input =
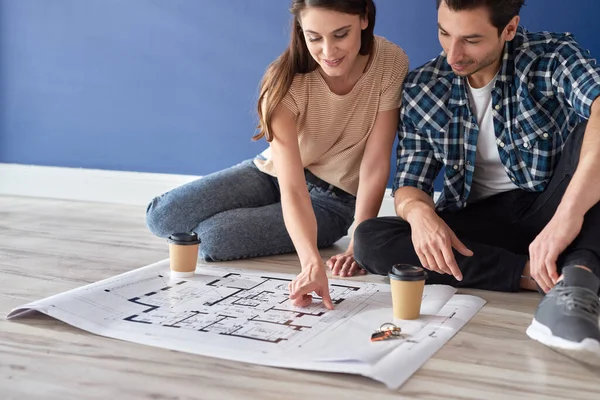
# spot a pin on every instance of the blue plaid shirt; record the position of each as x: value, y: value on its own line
x: 545, y: 87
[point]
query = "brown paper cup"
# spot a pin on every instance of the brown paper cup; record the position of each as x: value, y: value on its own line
x: 183, y: 254
x: 407, y: 285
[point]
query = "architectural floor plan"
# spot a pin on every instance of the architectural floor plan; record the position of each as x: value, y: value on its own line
x: 249, y: 307
x: 246, y: 315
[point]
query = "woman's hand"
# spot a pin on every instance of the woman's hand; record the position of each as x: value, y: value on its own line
x: 312, y: 279
x: 344, y: 264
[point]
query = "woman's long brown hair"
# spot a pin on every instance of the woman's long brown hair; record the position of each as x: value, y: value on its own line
x: 296, y: 59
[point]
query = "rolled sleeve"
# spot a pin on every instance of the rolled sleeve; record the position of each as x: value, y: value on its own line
x: 576, y: 77
x: 416, y: 165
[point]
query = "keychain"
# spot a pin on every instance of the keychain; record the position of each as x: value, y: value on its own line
x: 386, y: 331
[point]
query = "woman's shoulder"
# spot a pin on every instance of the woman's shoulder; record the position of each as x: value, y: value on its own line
x: 300, y: 89
x: 390, y: 52
x: 305, y: 79
x: 392, y: 62
x: 303, y: 83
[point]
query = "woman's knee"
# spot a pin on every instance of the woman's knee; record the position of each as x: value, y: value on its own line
x: 244, y: 233
x: 219, y: 244
x: 160, y: 218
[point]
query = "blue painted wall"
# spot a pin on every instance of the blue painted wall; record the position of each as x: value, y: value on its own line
x: 170, y: 85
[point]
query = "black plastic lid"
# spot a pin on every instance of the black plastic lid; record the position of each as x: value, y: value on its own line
x: 407, y: 272
x: 184, y: 238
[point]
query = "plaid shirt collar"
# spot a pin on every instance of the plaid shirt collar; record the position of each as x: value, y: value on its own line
x: 458, y: 97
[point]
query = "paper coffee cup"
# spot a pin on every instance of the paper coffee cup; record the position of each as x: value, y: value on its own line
x: 183, y: 254
x: 407, y: 285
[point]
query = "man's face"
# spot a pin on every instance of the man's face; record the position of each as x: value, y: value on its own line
x: 469, y: 39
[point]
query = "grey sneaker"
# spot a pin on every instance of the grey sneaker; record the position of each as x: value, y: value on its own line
x: 567, y: 318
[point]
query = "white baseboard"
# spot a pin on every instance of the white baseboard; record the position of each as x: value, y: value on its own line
x: 387, y: 205
x: 102, y: 186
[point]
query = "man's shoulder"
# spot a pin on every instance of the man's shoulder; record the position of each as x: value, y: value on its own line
x: 434, y: 77
x: 428, y: 89
x: 540, y: 43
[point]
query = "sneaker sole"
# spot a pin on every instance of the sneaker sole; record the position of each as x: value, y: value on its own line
x: 586, y: 351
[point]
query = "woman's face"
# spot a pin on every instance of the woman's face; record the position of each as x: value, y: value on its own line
x: 333, y: 38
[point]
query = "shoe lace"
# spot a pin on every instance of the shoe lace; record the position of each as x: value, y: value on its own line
x: 580, y: 298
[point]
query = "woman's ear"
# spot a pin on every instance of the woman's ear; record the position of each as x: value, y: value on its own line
x: 364, y: 19
x: 364, y: 22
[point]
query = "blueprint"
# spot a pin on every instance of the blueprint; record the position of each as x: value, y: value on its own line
x: 246, y: 315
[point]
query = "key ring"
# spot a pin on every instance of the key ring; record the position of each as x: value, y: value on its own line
x: 388, y: 326
x: 386, y: 331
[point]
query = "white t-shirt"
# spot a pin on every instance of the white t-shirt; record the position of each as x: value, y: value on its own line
x: 490, y: 177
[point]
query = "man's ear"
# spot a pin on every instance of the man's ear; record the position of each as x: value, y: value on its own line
x: 511, y: 29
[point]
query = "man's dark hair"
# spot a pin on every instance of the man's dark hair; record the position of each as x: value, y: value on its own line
x: 501, y: 11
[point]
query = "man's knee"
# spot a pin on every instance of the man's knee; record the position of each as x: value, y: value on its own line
x: 377, y: 243
x: 368, y: 234
x: 362, y: 232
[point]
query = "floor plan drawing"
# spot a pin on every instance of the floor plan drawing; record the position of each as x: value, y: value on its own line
x: 246, y: 315
x: 256, y: 308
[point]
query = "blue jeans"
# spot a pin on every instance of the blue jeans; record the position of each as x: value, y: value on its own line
x: 237, y: 213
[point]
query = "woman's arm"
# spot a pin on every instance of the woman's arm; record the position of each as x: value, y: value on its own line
x: 298, y: 214
x: 375, y: 166
x: 373, y: 177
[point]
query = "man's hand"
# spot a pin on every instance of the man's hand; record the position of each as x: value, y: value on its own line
x: 312, y: 279
x: 433, y: 241
x: 549, y: 244
x: 344, y: 264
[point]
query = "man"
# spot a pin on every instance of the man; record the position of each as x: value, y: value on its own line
x: 514, y: 117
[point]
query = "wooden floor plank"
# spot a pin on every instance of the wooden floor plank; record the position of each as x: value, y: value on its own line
x: 49, y: 246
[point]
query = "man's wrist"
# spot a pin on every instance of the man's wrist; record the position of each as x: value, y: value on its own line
x: 569, y: 209
x: 415, y: 208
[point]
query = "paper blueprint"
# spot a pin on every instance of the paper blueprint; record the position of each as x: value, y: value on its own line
x: 246, y: 316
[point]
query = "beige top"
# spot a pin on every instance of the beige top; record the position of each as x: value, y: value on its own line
x: 333, y: 129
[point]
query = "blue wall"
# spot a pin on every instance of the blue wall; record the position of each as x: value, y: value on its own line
x: 170, y: 85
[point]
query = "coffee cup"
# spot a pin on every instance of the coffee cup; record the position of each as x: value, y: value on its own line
x: 407, y: 285
x: 183, y: 254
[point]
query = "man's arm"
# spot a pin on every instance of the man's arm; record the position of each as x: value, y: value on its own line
x: 583, y: 191
x: 417, y: 168
x: 408, y: 199
x: 576, y: 81
x: 582, y: 194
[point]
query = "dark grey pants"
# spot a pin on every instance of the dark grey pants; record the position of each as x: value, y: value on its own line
x: 498, y: 230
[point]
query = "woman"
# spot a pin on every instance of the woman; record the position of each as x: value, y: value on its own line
x: 328, y: 107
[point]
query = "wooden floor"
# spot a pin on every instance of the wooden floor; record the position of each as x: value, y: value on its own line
x: 50, y: 246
